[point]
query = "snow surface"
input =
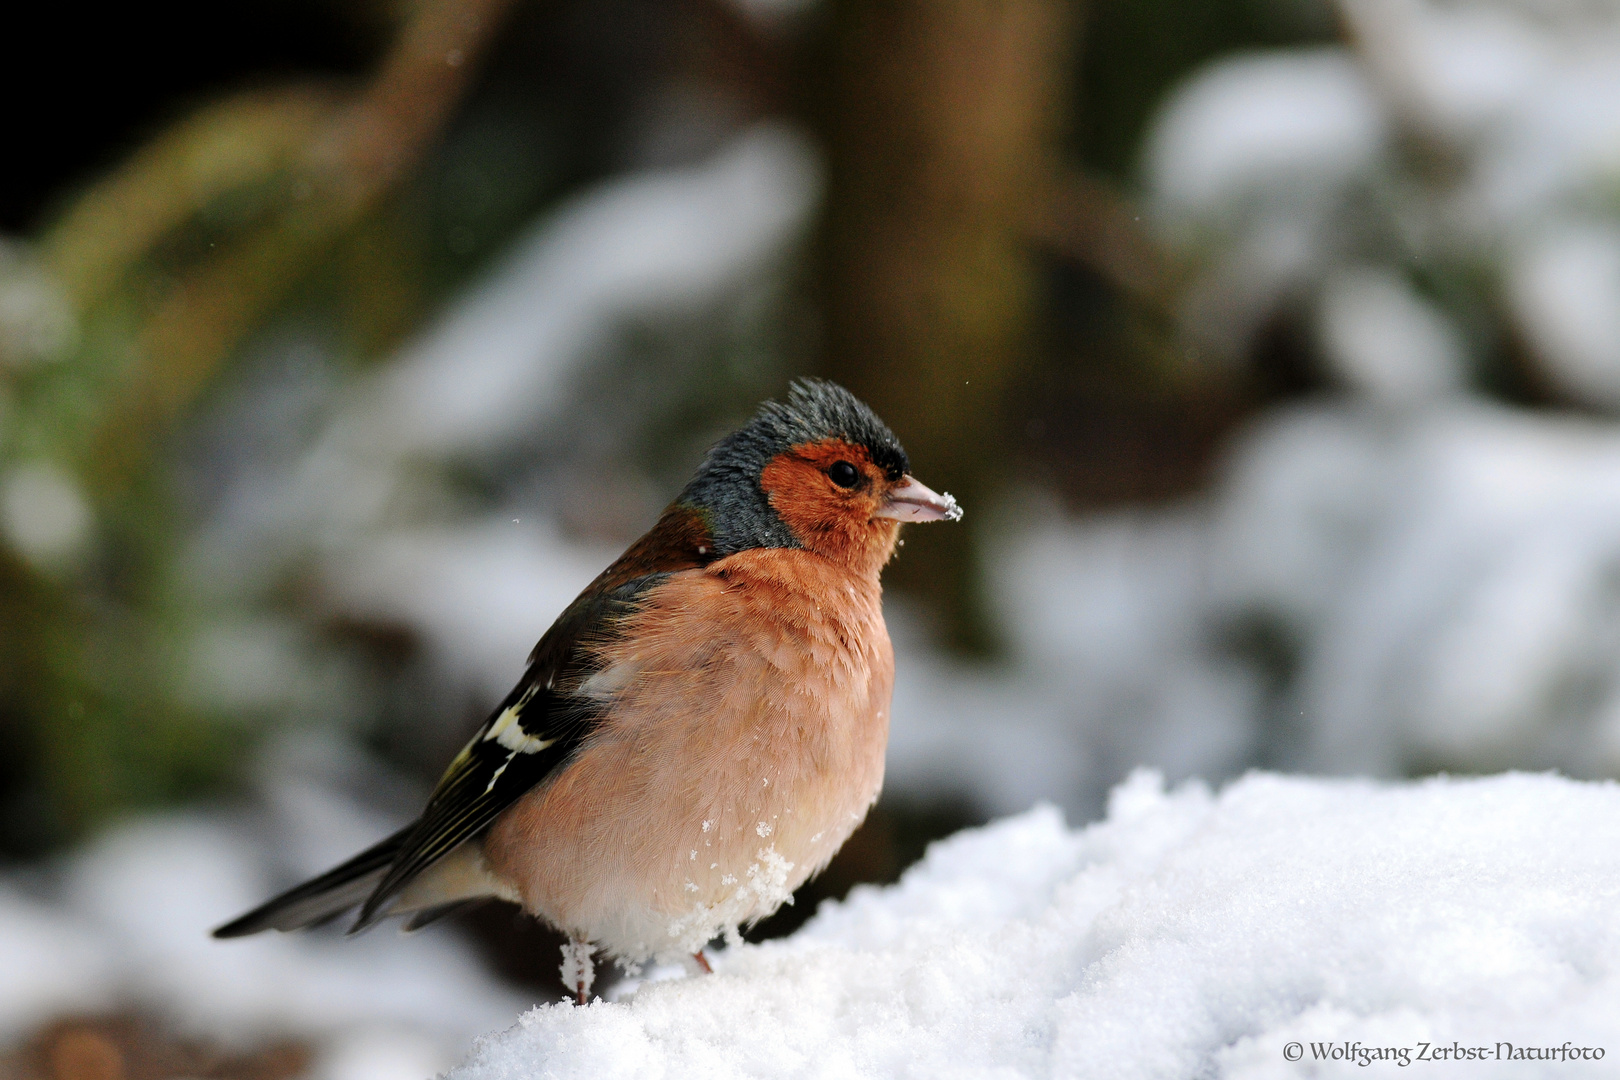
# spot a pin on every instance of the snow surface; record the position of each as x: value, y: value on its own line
x: 1364, y: 591
x: 1279, y: 173
x: 1564, y: 285
x: 49, y: 965
x: 1473, y: 620
x: 1385, y: 341
x: 1250, y: 124
x: 1189, y: 935
x: 660, y: 241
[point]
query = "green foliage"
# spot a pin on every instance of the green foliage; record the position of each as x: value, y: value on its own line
x: 253, y: 206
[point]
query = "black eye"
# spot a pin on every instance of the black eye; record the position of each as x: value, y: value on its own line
x: 844, y: 475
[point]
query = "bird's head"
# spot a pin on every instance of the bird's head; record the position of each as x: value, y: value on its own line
x: 818, y: 471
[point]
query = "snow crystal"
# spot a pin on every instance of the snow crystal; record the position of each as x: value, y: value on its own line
x: 1295, y: 512
x: 1273, y: 175
x: 382, y: 1052
x: 481, y: 592
x: 763, y: 889
x: 1188, y: 935
x: 578, y: 969
x: 1251, y: 164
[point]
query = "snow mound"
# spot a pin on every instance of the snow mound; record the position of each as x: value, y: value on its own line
x: 1190, y: 934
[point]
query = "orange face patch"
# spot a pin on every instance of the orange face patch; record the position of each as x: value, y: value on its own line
x: 809, y: 488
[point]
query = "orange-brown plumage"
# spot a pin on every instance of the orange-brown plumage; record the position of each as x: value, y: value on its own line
x: 679, y: 541
x: 747, y: 743
x: 698, y: 732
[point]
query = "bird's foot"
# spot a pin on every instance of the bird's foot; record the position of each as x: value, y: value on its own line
x: 578, y: 970
x: 703, y: 962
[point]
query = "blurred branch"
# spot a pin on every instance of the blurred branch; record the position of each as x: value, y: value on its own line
x: 223, y: 147
x: 358, y: 155
x: 172, y: 263
x: 386, y: 130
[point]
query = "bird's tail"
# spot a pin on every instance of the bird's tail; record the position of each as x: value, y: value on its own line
x: 324, y: 897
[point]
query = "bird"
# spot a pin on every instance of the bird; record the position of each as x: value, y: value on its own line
x: 698, y: 732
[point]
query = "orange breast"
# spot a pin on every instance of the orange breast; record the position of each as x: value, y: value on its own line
x: 743, y: 743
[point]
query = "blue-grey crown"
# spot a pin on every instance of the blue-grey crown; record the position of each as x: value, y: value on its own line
x: 727, y: 484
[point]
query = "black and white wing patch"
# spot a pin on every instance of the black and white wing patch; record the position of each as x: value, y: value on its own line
x: 530, y: 735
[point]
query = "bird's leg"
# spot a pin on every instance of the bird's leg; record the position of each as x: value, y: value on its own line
x: 578, y: 972
x: 703, y: 962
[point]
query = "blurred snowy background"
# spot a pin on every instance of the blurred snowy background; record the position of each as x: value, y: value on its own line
x: 1273, y: 346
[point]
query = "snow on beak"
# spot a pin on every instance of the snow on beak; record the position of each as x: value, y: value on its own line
x: 911, y: 500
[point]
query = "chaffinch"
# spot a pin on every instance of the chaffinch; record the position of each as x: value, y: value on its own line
x: 697, y: 734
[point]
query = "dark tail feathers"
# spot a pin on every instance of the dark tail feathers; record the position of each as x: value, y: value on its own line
x: 322, y: 898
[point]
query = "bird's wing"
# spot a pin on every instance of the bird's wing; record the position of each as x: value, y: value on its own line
x: 545, y: 718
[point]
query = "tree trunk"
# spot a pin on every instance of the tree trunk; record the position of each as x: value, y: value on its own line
x: 941, y: 135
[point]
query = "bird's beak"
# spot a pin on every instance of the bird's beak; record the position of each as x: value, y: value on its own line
x: 910, y: 500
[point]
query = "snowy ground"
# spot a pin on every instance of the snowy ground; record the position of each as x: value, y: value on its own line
x: 1190, y: 934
